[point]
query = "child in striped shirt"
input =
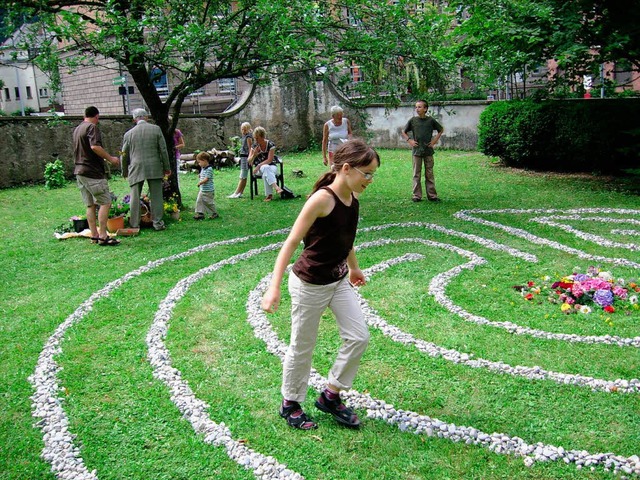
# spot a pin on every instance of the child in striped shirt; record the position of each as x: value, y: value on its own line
x: 205, y: 203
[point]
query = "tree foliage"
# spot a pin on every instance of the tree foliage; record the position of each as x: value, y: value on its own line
x: 498, y: 38
x: 199, y: 41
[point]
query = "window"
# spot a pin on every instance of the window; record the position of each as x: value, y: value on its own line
x: 44, y: 93
x: 356, y: 74
x: 353, y: 20
x: 7, y: 96
x: 623, y: 73
x: 159, y: 79
x: 227, y: 85
x: 29, y: 96
x: 17, y: 90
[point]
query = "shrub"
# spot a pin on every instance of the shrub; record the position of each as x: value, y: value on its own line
x: 27, y: 111
x: 582, y: 135
x: 54, y: 175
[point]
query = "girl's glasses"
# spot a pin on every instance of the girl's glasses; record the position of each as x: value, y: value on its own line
x: 367, y: 176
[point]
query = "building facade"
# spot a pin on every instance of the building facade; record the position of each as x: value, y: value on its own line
x: 25, y: 88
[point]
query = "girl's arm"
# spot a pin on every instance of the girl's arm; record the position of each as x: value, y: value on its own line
x: 356, y: 277
x: 249, y: 146
x: 319, y: 204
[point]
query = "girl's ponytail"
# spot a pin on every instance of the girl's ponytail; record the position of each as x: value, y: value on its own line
x: 323, y: 181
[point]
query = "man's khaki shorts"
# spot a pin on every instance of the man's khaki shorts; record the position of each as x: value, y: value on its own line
x: 95, y: 191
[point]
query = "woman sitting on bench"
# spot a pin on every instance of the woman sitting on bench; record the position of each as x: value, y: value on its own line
x: 261, y: 158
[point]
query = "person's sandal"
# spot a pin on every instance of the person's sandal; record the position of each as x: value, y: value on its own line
x: 268, y: 198
x: 296, y: 418
x: 94, y: 239
x: 342, y: 414
x: 108, y: 242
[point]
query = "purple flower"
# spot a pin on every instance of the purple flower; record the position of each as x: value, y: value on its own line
x: 581, y: 277
x: 603, y: 298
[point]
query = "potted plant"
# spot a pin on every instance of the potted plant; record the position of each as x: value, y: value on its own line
x: 171, y: 207
x: 80, y: 223
x: 117, y: 213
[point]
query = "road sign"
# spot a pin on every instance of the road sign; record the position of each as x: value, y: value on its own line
x: 119, y: 80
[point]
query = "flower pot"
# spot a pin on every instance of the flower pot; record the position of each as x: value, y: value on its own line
x: 115, y: 223
x: 80, y: 224
x: 175, y: 215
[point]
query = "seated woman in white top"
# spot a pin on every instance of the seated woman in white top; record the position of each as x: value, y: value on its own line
x: 335, y: 132
x: 261, y: 157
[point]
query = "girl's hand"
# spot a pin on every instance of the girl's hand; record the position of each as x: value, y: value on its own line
x: 271, y: 300
x: 357, y: 278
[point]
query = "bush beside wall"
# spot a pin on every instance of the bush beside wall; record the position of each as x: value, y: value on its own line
x: 565, y: 135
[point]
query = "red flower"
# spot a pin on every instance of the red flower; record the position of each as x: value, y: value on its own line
x: 530, y: 284
x: 609, y: 309
x: 528, y: 296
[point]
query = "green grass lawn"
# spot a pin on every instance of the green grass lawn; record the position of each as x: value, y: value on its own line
x: 127, y: 426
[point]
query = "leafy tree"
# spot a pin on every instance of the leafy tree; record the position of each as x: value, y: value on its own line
x: 605, y: 30
x: 198, y: 42
x: 498, y: 38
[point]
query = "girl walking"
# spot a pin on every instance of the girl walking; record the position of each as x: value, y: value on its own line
x: 247, y: 142
x: 322, y: 277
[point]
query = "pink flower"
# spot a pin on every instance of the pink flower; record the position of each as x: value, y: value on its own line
x: 595, y: 284
x: 577, y: 289
x: 620, y: 292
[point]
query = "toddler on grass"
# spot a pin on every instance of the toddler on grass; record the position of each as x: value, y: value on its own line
x: 205, y: 203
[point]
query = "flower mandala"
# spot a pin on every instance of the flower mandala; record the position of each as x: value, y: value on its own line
x: 581, y: 292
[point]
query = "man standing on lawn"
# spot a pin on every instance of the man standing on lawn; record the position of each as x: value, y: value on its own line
x: 145, y: 157
x: 422, y: 127
x: 89, y: 158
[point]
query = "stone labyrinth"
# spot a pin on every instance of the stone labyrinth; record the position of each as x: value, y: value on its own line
x: 65, y: 457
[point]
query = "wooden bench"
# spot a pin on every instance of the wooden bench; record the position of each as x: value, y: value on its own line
x: 253, y: 179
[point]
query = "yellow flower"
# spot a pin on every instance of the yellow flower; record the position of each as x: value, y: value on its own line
x: 565, y: 307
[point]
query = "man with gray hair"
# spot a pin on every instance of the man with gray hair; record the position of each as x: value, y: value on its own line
x: 145, y: 157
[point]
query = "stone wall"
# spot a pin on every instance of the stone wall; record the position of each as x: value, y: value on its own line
x: 292, y: 113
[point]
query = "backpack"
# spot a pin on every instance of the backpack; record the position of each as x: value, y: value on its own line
x: 287, y: 193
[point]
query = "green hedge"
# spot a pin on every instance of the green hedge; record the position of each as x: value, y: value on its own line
x: 563, y: 135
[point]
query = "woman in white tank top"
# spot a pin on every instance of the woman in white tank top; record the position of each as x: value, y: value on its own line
x: 335, y: 132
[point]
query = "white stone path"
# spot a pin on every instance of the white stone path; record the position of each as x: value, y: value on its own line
x: 66, y: 460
